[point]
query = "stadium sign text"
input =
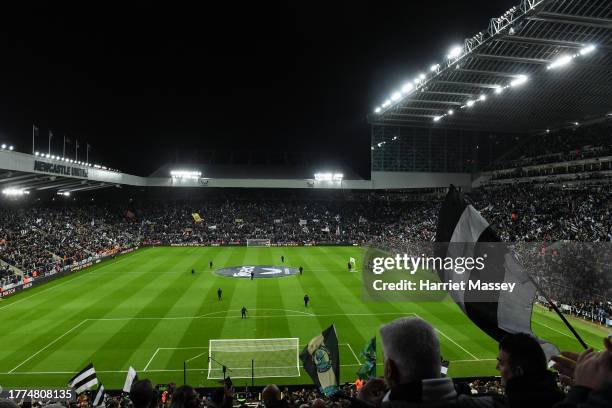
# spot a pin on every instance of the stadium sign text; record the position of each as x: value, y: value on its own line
x: 61, y: 169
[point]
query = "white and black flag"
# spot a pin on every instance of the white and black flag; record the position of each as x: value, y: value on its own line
x: 463, y: 232
x: 99, y: 399
x: 130, y: 379
x: 84, y: 380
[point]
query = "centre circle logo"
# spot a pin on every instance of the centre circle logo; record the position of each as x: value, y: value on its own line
x: 259, y: 271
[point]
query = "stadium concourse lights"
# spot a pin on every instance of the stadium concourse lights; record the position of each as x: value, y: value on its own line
x: 328, y: 176
x: 453, y: 54
x: 568, y: 58
x: 14, y: 192
x: 4, y: 146
x: 185, y: 174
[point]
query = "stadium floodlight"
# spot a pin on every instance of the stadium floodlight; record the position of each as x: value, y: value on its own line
x: 3, y: 146
x: 587, y: 49
x: 182, y: 174
x: 394, y: 137
x: 407, y: 87
x: 386, y: 103
x: 377, y: 110
x: 64, y: 193
x: 11, y: 147
x: 328, y: 176
x: 380, y: 144
x: 437, y: 118
x: 396, y: 96
x: 450, y: 111
x: 560, y: 62
x: 482, y: 97
x: 422, y: 77
x: 521, y: 79
x: 372, y: 147
x: 434, y: 67
x: 14, y: 192
x: 36, y: 153
x: 498, y: 89
x: 47, y: 155
x: 470, y: 103
x: 454, y: 52
x: 547, y: 130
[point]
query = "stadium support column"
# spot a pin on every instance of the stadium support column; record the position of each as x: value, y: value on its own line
x: 184, y: 372
x: 252, y: 374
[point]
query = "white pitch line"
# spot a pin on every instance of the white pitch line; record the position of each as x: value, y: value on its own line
x: 453, y: 341
x: 354, y: 355
x: 208, y: 316
x: 555, y: 330
x: 151, y: 359
x: 190, y: 369
x: 47, y: 346
x: 196, y: 356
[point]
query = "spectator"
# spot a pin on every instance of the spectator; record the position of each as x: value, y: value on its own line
x: 412, y: 370
x: 271, y: 396
x: 522, y: 366
x: 143, y: 395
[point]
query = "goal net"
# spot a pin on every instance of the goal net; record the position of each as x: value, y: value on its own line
x: 257, y: 357
x: 258, y: 242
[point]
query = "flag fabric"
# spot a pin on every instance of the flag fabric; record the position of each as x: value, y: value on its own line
x: 196, y: 217
x: 130, y: 379
x: 368, y: 368
x: 99, y: 399
x: 463, y: 232
x: 321, y: 360
x: 84, y: 380
x: 444, y: 367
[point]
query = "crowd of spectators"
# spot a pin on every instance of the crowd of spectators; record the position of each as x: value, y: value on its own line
x: 42, y: 238
x: 576, y: 143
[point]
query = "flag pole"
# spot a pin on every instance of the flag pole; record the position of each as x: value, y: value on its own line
x: 556, y: 309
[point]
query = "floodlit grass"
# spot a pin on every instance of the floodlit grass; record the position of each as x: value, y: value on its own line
x: 148, y: 311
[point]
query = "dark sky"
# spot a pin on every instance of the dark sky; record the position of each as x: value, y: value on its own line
x: 139, y: 81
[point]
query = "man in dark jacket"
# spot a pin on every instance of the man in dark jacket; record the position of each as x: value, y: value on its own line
x: 412, y: 372
x: 522, y: 366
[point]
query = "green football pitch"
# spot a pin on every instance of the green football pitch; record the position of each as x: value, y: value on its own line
x: 147, y: 310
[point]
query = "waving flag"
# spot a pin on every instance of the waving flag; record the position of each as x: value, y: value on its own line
x: 321, y: 360
x: 463, y: 232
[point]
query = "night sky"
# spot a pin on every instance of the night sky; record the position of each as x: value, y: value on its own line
x: 139, y: 81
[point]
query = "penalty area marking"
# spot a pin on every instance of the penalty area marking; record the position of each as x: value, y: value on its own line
x: 209, y: 316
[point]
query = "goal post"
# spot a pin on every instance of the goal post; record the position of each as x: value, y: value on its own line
x: 258, y: 242
x: 256, y: 358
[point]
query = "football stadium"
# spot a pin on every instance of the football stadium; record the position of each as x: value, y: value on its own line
x: 469, y: 264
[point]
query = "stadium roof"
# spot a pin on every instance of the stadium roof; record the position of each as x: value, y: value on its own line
x: 543, y: 64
